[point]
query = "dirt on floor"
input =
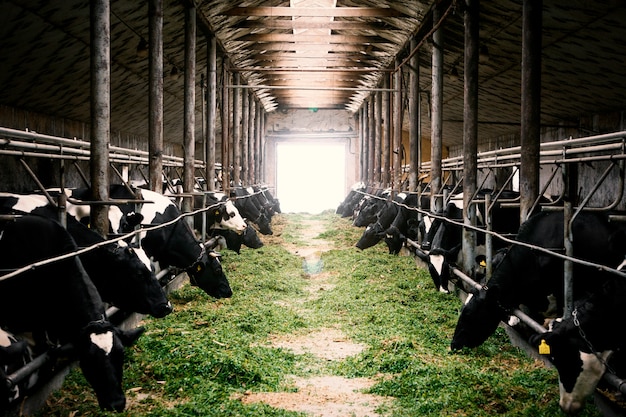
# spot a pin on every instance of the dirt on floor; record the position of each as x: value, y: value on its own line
x: 325, y: 395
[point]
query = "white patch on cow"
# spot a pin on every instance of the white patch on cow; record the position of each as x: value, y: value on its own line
x: 593, y: 369
x: 103, y: 340
x: 26, y: 203
x: 469, y: 297
x: 158, y: 204
x: 437, y: 261
x: 250, y: 190
x: 141, y: 254
x: 513, y: 321
x: 428, y: 223
x: 402, y: 196
x: 5, y: 339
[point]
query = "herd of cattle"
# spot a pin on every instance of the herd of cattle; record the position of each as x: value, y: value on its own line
x: 53, y: 303
x: 527, y: 275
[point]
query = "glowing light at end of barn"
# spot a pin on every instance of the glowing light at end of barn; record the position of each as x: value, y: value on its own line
x: 310, y: 177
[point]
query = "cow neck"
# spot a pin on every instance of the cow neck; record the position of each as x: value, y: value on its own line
x: 192, y: 269
x: 583, y: 336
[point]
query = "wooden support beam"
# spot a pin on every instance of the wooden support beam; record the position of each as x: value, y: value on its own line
x: 361, y: 12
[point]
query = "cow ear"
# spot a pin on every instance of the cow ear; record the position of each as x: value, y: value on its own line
x: 543, y: 342
x: 129, y: 337
x: 134, y: 219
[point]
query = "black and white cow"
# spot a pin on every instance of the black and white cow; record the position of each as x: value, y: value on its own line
x: 173, y: 245
x: 123, y: 275
x: 527, y: 277
x: 580, y: 346
x: 219, y: 211
x: 14, y: 354
x: 368, y: 208
x: 58, y: 302
x: 444, y: 239
x: 248, y: 238
x: 251, y: 209
x: 400, y: 228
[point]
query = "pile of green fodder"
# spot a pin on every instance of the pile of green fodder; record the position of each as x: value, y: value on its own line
x: 197, y: 360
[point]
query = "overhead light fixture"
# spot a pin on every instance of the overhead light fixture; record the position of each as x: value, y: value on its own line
x: 483, y: 54
x: 142, y: 48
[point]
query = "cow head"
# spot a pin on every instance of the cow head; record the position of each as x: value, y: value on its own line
x: 394, y: 240
x: 371, y: 236
x: 479, y: 318
x: 101, y: 356
x: 251, y: 238
x: 207, y: 273
x: 579, y: 369
x: 227, y: 217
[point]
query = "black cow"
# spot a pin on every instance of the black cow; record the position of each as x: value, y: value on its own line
x: 270, y: 204
x: 172, y: 245
x: 377, y: 230
x: 400, y: 228
x: 347, y: 206
x: 58, y: 301
x: 123, y: 275
x: 251, y: 209
x: 368, y: 208
x: 528, y: 277
x: 580, y: 346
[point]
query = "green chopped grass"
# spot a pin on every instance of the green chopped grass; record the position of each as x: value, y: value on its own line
x: 193, y: 362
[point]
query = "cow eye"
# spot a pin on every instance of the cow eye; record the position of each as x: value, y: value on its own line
x: 232, y: 215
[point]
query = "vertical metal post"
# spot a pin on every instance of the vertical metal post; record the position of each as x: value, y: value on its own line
x: 437, y: 116
x: 531, y: 104
x: 211, y: 111
x: 189, y: 140
x: 155, y: 101
x: 470, y: 128
x: 100, y: 62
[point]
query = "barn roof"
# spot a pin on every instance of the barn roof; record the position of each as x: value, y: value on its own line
x: 316, y: 54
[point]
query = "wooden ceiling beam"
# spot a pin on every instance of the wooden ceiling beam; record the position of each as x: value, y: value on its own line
x: 362, y: 12
x: 333, y: 47
x: 311, y: 39
x: 305, y: 23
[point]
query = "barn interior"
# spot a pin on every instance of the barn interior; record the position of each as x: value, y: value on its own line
x: 407, y: 89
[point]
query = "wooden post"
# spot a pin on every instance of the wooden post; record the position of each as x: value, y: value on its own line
x: 100, y: 62
x: 366, y: 143
x: 236, y: 130
x: 437, y: 116
x: 531, y: 104
x: 415, y: 157
x: 225, y: 122
x: 252, y: 139
x: 189, y: 147
x: 245, y: 130
x: 378, y: 139
x: 372, y: 138
x: 470, y: 128
x: 397, y: 127
x: 155, y: 101
x: 385, y: 124
x: 211, y: 111
x: 257, y: 144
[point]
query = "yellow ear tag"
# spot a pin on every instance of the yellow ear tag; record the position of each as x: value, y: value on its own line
x: 217, y: 213
x: 544, y: 348
x: 483, y: 264
x: 198, y: 268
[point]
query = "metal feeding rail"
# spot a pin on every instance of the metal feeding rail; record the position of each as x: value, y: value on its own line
x: 32, y: 144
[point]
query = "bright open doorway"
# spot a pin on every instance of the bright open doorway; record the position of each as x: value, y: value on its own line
x: 310, y: 177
